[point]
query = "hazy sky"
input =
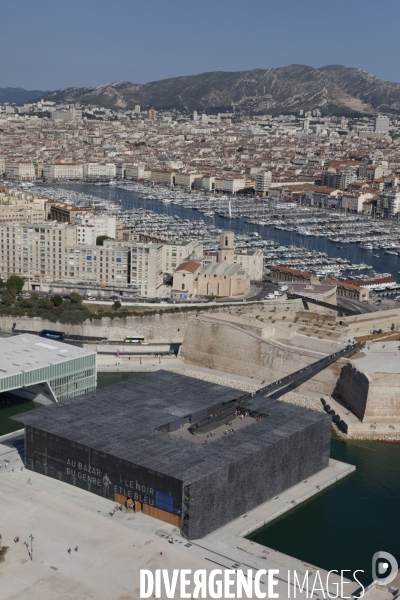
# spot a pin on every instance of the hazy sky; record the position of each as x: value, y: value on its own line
x: 52, y: 44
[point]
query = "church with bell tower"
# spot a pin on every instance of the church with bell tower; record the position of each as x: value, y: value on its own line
x: 224, y: 278
x: 226, y: 248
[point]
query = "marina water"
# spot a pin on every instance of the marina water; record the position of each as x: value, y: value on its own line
x: 129, y: 200
x: 343, y: 527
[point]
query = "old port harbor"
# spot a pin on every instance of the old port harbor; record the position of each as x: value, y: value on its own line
x: 327, y: 244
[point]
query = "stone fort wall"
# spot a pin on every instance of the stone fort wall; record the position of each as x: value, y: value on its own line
x: 373, y: 398
x: 162, y: 326
x: 232, y: 346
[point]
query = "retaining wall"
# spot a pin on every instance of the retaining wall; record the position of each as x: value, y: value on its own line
x: 216, y: 343
x: 373, y: 397
x: 164, y: 326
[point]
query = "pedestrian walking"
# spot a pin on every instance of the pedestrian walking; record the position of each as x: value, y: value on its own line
x: 76, y: 548
x: 69, y: 550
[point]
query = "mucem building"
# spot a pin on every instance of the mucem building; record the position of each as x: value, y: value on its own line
x: 187, y: 451
x: 45, y: 371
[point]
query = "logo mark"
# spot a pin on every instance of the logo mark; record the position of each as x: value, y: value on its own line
x: 384, y: 567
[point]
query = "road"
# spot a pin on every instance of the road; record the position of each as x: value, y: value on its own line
x: 361, y: 307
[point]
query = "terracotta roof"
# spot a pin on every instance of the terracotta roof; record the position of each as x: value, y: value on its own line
x: 292, y: 271
x: 363, y: 282
x: 191, y: 266
x: 324, y: 190
x: 344, y: 162
x: 343, y: 284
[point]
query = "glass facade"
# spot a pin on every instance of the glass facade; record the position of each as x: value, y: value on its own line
x: 67, y: 379
x: 99, y: 472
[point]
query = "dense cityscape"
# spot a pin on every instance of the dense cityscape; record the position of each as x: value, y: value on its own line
x: 259, y: 168
x: 117, y: 210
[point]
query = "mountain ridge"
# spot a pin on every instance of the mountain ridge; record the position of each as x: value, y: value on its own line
x: 334, y: 89
x: 20, y: 95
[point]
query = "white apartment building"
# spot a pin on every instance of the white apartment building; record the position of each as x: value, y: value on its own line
x: 49, y: 252
x: 17, y: 213
x: 98, y: 264
x: 177, y: 252
x: 137, y: 172
x: 102, y: 224
x: 35, y: 251
x: 208, y: 182
x: 85, y: 235
x: 354, y: 202
x: 263, y: 182
x: 381, y: 124
x: 63, y: 170
x: 146, y: 273
x: 252, y: 261
x: 389, y: 203
x: 23, y: 198
x: 186, y: 179
x: 347, y: 178
x: 66, y: 114
x: 146, y: 269
x: 231, y: 184
x: 162, y: 176
x: 96, y: 170
x: 19, y: 171
x: 370, y: 172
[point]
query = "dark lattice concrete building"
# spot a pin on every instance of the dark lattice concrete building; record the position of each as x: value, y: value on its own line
x: 162, y: 442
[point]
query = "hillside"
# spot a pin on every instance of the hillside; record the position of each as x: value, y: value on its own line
x: 334, y: 89
x: 19, y: 95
